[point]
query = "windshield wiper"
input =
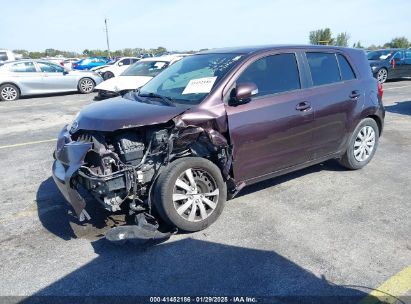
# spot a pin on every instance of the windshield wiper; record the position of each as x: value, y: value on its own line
x: 165, y: 99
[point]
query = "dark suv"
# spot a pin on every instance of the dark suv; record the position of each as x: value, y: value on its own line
x: 216, y: 121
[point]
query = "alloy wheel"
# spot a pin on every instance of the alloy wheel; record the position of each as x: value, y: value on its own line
x: 9, y: 93
x: 195, y: 194
x: 364, y: 143
x: 87, y: 85
x: 382, y: 75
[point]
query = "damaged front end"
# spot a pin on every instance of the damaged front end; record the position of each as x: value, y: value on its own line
x: 122, y: 166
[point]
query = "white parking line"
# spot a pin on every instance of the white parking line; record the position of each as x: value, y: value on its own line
x: 393, y: 88
x: 27, y: 143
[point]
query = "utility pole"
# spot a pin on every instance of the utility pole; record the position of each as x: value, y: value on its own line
x: 108, y: 44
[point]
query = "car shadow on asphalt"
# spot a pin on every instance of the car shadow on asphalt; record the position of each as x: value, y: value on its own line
x: 331, y: 165
x: 191, y: 267
x: 401, y: 107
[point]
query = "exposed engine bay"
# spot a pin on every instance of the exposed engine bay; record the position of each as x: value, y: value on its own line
x: 123, y: 165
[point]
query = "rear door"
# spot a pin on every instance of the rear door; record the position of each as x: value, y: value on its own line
x: 27, y: 77
x: 274, y: 130
x: 335, y: 93
x: 55, y: 79
x: 399, y: 65
x: 407, y: 62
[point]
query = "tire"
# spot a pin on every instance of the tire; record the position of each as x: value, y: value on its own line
x: 86, y: 85
x: 9, y: 92
x: 179, y: 212
x: 354, y: 158
x: 107, y: 75
x: 382, y: 75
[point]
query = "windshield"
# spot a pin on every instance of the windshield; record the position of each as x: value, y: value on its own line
x: 145, y: 68
x: 379, y: 55
x: 192, y: 78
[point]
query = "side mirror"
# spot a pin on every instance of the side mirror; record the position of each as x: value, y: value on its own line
x: 242, y: 93
x: 120, y: 63
x: 65, y: 72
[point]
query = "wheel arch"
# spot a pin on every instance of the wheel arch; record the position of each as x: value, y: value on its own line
x: 378, y: 121
x: 12, y: 83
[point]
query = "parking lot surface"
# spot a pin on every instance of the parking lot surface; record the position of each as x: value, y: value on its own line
x: 320, y: 231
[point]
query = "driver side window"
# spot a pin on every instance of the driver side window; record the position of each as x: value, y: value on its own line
x: 273, y: 74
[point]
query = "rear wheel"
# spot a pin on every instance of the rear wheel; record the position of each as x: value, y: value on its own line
x: 190, y: 194
x: 362, y: 145
x: 9, y: 92
x: 86, y: 85
x: 382, y: 75
x: 107, y: 75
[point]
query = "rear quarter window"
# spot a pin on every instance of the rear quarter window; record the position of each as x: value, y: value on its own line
x: 347, y: 73
x: 323, y: 68
x: 3, y: 56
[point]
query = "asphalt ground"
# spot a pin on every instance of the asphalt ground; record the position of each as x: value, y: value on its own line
x: 320, y: 231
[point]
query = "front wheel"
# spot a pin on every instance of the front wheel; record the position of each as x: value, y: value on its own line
x: 107, y: 75
x: 190, y: 194
x: 382, y: 75
x: 86, y: 85
x: 362, y: 145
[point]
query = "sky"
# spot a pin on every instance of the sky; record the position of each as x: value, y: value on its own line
x: 75, y: 25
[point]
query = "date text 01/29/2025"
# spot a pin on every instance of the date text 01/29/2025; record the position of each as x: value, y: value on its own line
x: 209, y: 299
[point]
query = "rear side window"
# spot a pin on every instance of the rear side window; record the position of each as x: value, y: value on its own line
x: 323, y: 67
x: 273, y: 74
x: 23, y: 67
x: 347, y: 72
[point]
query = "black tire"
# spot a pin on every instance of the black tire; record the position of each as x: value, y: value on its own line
x: 349, y: 159
x: 166, y: 186
x: 107, y: 75
x: 380, y: 75
x: 86, y: 85
x: 9, y: 92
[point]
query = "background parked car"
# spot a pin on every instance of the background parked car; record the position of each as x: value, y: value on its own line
x: 136, y: 75
x: 89, y: 63
x: 390, y: 64
x: 6, y: 55
x: 30, y: 77
x: 68, y: 62
x: 115, y: 67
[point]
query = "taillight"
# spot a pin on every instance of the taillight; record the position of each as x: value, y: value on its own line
x: 380, y: 91
x: 62, y: 63
x: 75, y: 65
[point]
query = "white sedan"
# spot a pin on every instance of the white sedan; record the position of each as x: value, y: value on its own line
x: 115, y: 67
x: 135, y: 76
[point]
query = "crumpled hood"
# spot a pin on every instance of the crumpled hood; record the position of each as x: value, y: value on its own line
x: 121, y: 83
x: 121, y: 113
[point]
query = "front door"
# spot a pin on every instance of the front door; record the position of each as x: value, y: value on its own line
x: 274, y: 130
x: 55, y: 79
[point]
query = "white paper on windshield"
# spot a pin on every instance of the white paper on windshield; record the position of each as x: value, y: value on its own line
x: 200, y: 85
x: 159, y: 64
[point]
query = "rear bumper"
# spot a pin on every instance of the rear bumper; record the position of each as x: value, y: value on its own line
x: 69, y: 157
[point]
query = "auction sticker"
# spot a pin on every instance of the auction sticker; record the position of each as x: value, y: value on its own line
x: 200, y: 85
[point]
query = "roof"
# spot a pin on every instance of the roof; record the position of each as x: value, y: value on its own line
x: 261, y: 48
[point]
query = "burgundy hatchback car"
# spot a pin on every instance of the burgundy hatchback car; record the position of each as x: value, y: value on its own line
x: 216, y: 121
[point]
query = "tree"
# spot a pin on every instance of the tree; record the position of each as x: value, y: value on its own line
x: 321, y: 36
x: 399, y: 42
x: 342, y: 39
x: 358, y: 45
x: 23, y: 53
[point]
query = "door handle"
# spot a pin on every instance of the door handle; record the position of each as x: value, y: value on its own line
x: 303, y: 106
x: 355, y: 94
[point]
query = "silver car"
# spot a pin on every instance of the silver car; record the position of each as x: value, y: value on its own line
x: 30, y: 77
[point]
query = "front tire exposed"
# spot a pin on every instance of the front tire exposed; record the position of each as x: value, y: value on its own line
x: 362, y: 145
x: 86, y: 85
x: 9, y: 92
x: 190, y: 194
x: 107, y: 75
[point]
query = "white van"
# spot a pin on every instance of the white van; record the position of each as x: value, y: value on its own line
x: 6, y: 55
